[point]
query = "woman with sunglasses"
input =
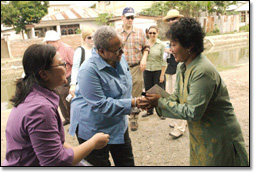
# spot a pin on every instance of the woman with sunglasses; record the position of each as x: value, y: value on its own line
x: 34, y: 132
x: 81, y: 54
x: 156, y: 66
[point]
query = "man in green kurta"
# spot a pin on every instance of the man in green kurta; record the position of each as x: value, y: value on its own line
x: 201, y: 97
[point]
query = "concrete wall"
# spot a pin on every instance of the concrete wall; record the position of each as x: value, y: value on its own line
x: 18, y: 47
x: 223, y: 23
x: 4, y: 49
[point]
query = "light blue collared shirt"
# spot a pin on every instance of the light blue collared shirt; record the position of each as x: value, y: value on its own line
x: 102, y: 99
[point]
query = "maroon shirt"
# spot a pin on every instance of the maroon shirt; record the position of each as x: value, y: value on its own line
x: 35, y: 133
x: 66, y: 53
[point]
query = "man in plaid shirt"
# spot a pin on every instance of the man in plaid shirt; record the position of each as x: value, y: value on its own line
x: 66, y: 52
x: 136, y: 50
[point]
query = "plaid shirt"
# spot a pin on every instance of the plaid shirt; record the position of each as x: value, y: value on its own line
x: 66, y: 52
x: 134, y: 45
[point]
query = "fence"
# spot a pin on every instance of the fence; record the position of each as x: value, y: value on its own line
x: 223, y: 23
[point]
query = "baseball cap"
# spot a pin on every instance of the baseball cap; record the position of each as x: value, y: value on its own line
x: 128, y: 11
x: 51, y: 35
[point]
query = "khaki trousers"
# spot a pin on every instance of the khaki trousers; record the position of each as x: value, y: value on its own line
x: 137, y: 87
x: 137, y: 81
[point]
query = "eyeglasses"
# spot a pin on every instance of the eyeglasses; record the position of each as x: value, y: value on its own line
x: 152, y: 33
x: 118, y: 51
x: 64, y: 65
x: 130, y: 17
x: 170, y: 19
x: 89, y: 37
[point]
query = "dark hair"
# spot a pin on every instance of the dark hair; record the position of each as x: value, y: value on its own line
x: 188, y: 32
x: 36, y: 57
x: 155, y: 27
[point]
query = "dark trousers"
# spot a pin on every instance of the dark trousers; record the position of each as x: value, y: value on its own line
x: 64, y: 105
x: 150, y: 79
x: 122, y: 154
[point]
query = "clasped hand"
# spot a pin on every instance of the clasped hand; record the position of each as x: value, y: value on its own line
x: 147, y: 102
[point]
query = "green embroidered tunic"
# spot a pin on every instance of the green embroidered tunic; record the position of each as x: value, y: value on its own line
x: 201, y: 97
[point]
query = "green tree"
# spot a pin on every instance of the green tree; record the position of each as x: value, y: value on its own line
x: 104, y: 19
x: 21, y: 13
x: 188, y: 8
x: 221, y: 6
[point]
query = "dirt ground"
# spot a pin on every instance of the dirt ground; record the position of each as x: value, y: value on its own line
x: 152, y: 145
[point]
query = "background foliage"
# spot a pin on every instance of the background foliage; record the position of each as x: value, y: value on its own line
x: 188, y: 8
x: 21, y: 13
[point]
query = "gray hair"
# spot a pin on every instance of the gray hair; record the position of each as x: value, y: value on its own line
x: 103, y: 35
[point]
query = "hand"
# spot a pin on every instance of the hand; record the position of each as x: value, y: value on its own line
x: 143, y: 64
x: 72, y: 89
x: 100, y: 140
x: 161, y: 79
x: 152, y: 99
x: 142, y: 103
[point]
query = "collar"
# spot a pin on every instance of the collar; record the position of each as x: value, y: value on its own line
x: 183, y: 66
x: 99, y: 61
x: 194, y: 61
x: 134, y: 29
x: 48, y: 94
x: 158, y: 41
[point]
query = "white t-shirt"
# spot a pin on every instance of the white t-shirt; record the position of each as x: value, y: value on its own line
x: 76, y: 63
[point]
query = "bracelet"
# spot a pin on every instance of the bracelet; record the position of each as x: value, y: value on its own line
x: 135, y: 102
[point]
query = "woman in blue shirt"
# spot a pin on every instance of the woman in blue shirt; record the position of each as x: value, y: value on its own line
x: 103, y: 100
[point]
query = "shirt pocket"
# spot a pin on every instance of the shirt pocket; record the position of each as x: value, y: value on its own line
x: 136, y: 45
x: 111, y: 89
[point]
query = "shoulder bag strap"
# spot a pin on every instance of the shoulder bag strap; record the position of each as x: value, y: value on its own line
x: 82, y: 55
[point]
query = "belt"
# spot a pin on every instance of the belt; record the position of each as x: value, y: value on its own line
x: 134, y: 64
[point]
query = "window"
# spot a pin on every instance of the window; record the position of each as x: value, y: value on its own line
x: 63, y: 32
x: 56, y: 10
x: 243, y: 17
x: 69, y: 29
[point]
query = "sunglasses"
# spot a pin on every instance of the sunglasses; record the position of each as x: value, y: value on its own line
x: 170, y: 19
x: 89, y: 37
x: 64, y: 65
x: 118, y: 51
x: 152, y: 33
x: 130, y: 17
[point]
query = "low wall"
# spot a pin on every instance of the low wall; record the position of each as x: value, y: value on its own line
x: 18, y: 47
x: 224, y: 39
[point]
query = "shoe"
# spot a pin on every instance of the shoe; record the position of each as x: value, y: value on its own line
x: 162, y: 118
x: 134, y: 126
x: 66, y: 122
x: 147, y: 114
x: 176, y: 134
x: 171, y: 125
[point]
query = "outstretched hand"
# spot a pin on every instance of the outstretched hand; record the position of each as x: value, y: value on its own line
x: 100, y: 140
x: 149, y: 101
x: 152, y: 99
